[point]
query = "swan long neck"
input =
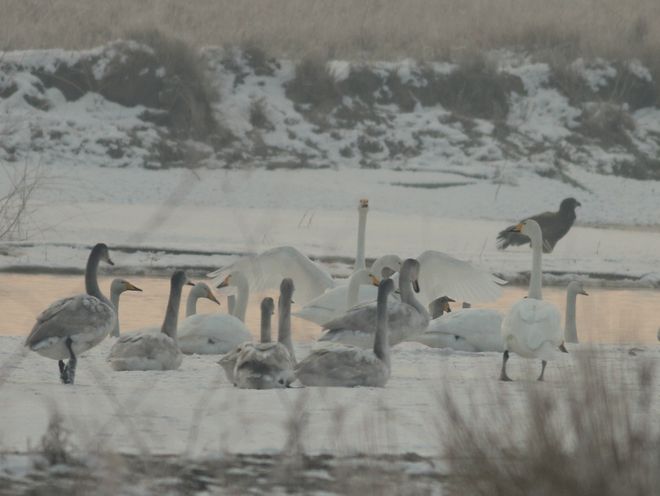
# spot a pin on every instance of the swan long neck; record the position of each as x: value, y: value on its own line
x: 360, y: 262
x: 231, y: 304
x: 382, y: 341
x: 91, y: 280
x: 172, y: 313
x: 265, y: 326
x: 358, y: 277
x: 407, y: 294
x: 284, y: 325
x: 191, y: 303
x: 114, y: 299
x: 570, y: 327
x: 240, y: 308
x: 535, y: 279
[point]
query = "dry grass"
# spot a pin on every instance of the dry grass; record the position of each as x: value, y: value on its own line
x: 596, y: 434
x: 424, y: 29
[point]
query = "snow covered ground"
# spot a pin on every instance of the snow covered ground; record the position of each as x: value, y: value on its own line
x: 195, y: 411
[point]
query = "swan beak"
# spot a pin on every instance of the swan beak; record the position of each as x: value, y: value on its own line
x: 517, y: 228
x: 415, y: 285
x: 110, y: 262
x: 224, y: 283
x: 292, y: 302
x: 578, y: 203
x: 130, y: 287
x: 583, y: 292
x: 374, y: 280
x: 211, y: 297
x: 190, y: 283
x: 562, y: 348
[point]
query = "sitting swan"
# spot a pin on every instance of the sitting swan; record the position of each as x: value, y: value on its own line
x: 362, y: 287
x: 479, y: 329
x: 469, y: 329
x: 339, y: 365
x: 217, y: 333
x: 73, y: 325
x: 532, y: 328
x: 270, y: 365
x: 117, y: 287
x: 406, y: 318
x: 209, y: 333
x: 147, y: 350
x: 228, y: 362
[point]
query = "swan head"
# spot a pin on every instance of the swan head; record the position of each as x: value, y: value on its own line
x: 576, y: 287
x: 286, y: 289
x: 569, y: 205
x: 410, y: 271
x: 386, y: 266
x: 440, y: 305
x: 202, y: 290
x: 118, y: 286
x: 101, y: 251
x: 267, y: 306
x: 364, y: 204
x: 179, y: 279
x: 528, y: 227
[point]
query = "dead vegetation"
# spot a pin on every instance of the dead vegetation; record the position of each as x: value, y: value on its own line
x: 594, y: 434
x: 20, y: 184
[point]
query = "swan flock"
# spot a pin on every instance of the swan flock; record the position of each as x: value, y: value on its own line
x: 382, y: 304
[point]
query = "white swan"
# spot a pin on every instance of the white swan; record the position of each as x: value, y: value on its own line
x: 270, y: 365
x: 340, y: 365
x: 334, y: 302
x: 266, y: 270
x: 570, y: 327
x: 212, y: 333
x: 228, y: 362
x: 469, y: 329
x: 73, y: 325
x: 532, y: 327
x: 117, y: 287
x: 146, y: 350
x: 406, y: 318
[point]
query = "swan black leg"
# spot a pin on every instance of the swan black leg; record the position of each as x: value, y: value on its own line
x: 62, y: 371
x: 70, y: 368
x: 543, y: 364
x: 505, y: 358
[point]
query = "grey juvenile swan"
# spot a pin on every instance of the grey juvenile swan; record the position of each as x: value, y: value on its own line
x: 405, y: 318
x: 268, y: 366
x: 117, y: 287
x: 148, y: 350
x: 73, y: 325
x: 228, y: 362
x: 554, y: 226
x: 340, y: 365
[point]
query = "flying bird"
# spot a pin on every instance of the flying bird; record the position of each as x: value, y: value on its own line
x: 554, y: 226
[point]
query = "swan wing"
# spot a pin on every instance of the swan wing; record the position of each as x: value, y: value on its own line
x: 441, y: 274
x: 72, y: 317
x: 530, y: 324
x: 266, y: 270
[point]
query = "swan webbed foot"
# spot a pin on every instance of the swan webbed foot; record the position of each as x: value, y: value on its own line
x: 562, y: 348
x: 543, y: 364
x: 503, y: 376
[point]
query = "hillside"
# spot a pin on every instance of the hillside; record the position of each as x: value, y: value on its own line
x: 156, y: 104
